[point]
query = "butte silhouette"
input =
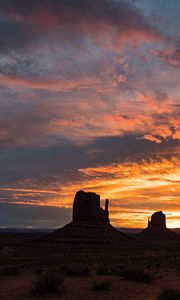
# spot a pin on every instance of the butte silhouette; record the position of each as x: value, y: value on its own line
x: 157, y: 230
x: 90, y: 226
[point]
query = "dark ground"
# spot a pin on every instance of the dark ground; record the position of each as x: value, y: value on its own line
x: 22, y: 260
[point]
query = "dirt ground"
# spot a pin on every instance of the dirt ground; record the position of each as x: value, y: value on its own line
x: 31, y: 260
x: 16, y: 288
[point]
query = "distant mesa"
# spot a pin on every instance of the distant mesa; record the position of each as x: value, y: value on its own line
x: 157, y: 230
x: 90, y: 226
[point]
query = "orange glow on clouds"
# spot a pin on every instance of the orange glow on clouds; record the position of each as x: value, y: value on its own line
x: 135, y: 190
x: 149, y: 186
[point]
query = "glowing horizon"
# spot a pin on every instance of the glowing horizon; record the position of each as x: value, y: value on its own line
x: 135, y: 190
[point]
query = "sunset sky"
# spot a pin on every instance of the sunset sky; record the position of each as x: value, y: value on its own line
x: 89, y: 99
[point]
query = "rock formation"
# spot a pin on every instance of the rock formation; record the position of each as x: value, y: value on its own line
x: 158, y: 219
x: 86, y: 207
x: 90, y: 228
x: 157, y: 230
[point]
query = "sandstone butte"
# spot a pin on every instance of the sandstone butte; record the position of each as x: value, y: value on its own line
x: 90, y: 228
x: 157, y: 230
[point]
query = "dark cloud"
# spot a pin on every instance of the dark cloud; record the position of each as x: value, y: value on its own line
x: 55, y: 165
x: 37, y: 216
x: 13, y: 35
x: 128, y: 147
x: 73, y: 17
x: 118, y: 13
x: 16, y: 128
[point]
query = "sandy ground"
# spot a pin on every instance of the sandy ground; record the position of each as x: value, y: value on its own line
x: 16, y: 288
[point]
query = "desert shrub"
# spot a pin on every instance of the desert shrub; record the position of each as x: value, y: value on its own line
x: 9, y: 271
x: 138, y: 275
x: 47, y: 283
x: 169, y: 294
x: 101, y: 285
x: 103, y: 270
x: 116, y: 270
x: 178, y: 265
x: 76, y: 270
x: 7, y: 252
x: 38, y: 271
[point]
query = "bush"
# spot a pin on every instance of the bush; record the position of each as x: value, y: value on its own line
x: 169, y: 294
x: 47, y: 283
x: 9, y: 271
x: 76, y: 270
x: 110, y: 270
x: 39, y: 271
x: 178, y: 265
x: 137, y: 275
x: 101, y: 286
x: 103, y: 270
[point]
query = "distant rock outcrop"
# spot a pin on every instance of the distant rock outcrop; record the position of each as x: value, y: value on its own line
x: 157, y: 230
x: 90, y: 227
x: 158, y: 219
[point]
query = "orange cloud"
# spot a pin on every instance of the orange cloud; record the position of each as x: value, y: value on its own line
x: 142, y: 116
x: 148, y: 185
x: 54, y: 86
x: 151, y: 138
